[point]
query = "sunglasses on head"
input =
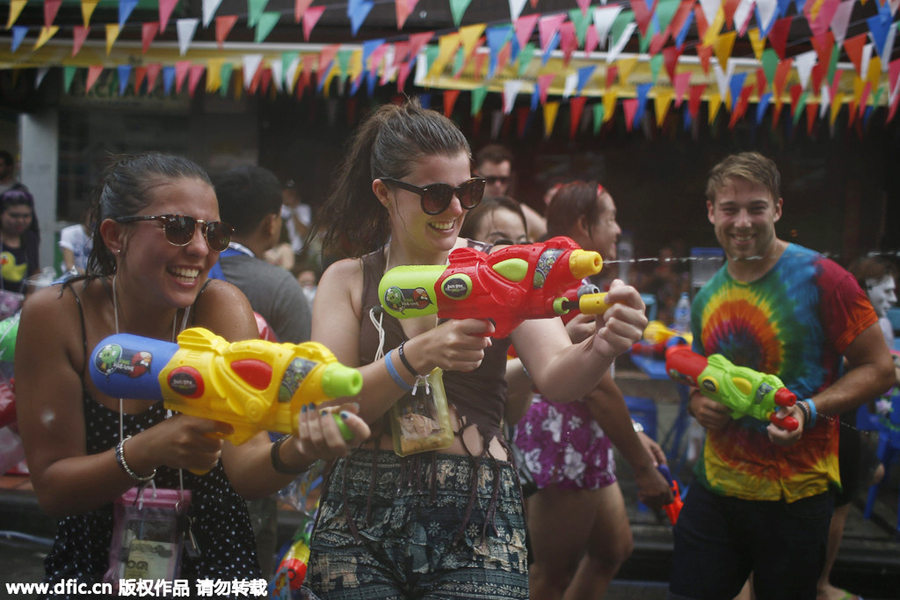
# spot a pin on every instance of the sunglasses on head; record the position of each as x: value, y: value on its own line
x: 180, y: 229
x: 436, y: 197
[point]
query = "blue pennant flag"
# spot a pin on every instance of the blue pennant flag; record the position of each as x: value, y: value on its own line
x: 368, y: 48
x: 125, y: 8
x: 679, y: 41
x: 535, y: 98
x: 496, y: 38
x: 124, y: 73
x: 425, y: 100
x: 18, y: 32
x: 553, y: 45
x: 762, y: 106
x: 879, y: 26
x: 584, y: 75
x: 737, y: 84
x: 371, y: 81
x: 783, y: 6
x: 642, y: 91
x: 358, y: 10
x: 168, y: 74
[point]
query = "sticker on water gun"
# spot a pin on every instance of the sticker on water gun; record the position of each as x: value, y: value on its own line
x: 186, y: 381
x: 112, y: 358
x: 544, y: 265
x: 398, y: 299
x: 457, y: 287
x: 294, y: 375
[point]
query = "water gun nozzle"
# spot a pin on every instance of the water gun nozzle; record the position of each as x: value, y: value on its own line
x: 339, y: 381
x: 583, y: 263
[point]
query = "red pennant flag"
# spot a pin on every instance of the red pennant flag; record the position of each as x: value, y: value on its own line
x: 681, y: 83
x: 630, y: 106
x: 760, y: 82
x: 818, y: 74
x: 522, y: 114
x: 776, y: 114
x: 148, y: 32
x: 480, y: 62
x: 310, y: 18
x: 670, y: 56
x: 705, y: 53
x: 796, y: 91
x: 450, y: 97
x: 694, y: 100
x: 51, y: 7
x: 265, y: 81
x: 93, y: 74
x: 740, y: 107
x: 181, y: 70
x: 781, y: 75
x: 812, y: 110
x: 778, y: 35
x: 864, y: 98
x: 728, y: 8
x: 823, y: 45
x: 657, y: 42
x: 140, y: 73
x: 152, y: 75
x: 611, y: 74
x: 576, y: 108
x: 700, y: 20
x: 194, y: 78
x: 254, y: 83
x: 79, y: 34
x: 300, y: 7
x: 854, y: 49
x: 642, y: 15
x: 224, y: 25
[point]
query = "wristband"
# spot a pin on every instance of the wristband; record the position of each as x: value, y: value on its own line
x: 638, y: 427
x: 812, y: 410
x: 807, y: 415
x: 277, y: 463
x: 120, y: 460
x: 406, y: 363
x: 392, y: 371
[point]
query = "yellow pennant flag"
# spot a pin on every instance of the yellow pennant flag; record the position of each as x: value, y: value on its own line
x: 626, y: 66
x: 15, y: 9
x: 446, y: 47
x: 551, y: 109
x: 237, y: 82
x: 722, y: 47
x: 609, y: 103
x: 46, y: 34
x: 836, y: 103
x: 214, y: 74
x: 758, y: 43
x: 715, y: 101
x: 469, y: 36
x: 858, y: 86
x: 355, y: 68
x: 112, y: 34
x: 87, y: 9
x: 874, y: 74
x: 661, y: 104
x: 714, y: 28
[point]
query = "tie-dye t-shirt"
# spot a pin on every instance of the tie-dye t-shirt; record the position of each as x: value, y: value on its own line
x: 796, y: 322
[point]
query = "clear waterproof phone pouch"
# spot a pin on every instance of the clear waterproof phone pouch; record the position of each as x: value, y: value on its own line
x: 420, y: 420
x: 149, y: 528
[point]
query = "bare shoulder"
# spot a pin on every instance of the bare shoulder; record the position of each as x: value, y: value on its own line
x: 223, y: 309
x: 343, y: 272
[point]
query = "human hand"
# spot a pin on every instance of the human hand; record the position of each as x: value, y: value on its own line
x: 653, y: 489
x: 712, y: 415
x: 623, y: 323
x: 653, y: 449
x: 456, y: 345
x: 784, y: 437
x: 581, y: 327
x: 320, y: 437
x: 184, y: 442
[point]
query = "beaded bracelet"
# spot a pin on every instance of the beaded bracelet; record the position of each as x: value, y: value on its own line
x: 406, y: 362
x: 806, y: 413
x: 392, y: 371
x: 120, y: 460
x: 277, y: 463
x: 812, y: 409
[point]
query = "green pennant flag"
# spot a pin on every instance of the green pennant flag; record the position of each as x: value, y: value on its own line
x: 431, y: 54
x: 770, y: 65
x: 68, y: 76
x: 581, y: 22
x: 460, y: 61
x: 801, y: 105
x: 265, y: 25
x: 457, y: 9
x: 876, y: 96
x: 623, y: 20
x: 525, y: 57
x: 226, y: 72
x: 644, y: 41
x: 478, y: 96
x: 665, y: 11
x: 255, y: 10
x: 343, y: 60
x: 656, y: 63
x: 598, y: 117
x: 832, y: 64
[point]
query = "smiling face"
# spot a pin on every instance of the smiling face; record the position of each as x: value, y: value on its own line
x: 744, y: 216
x: 882, y: 294
x: 161, y: 273
x: 410, y: 225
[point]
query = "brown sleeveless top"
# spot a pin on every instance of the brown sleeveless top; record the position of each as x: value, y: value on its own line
x: 478, y: 396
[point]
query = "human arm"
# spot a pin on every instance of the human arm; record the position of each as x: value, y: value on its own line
x: 519, y: 391
x: 607, y: 405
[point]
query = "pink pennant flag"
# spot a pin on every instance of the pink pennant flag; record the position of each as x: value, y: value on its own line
x: 51, y: 7
x: 670, y: 57
x: 583, y: 5
x: 181, y: 70
x: 450, y: 97
x: 894, y: 76
x: 194, y: 78
x: 300, y: 7
x: 152, y: 75
x: 402, y: 75
x: 403, y: 9
x: 840, y: 21
x: 591, y: 41
x: 576, y: 108
x: 224, y: 24
x: 416, y: 41
x: 148, y: 32
x: 140, y: 74
x: 326, y: 57
x: 544, y: 82
x: 630, y: 105
x: 568, y: 41
x: 165, y: 11
x: 480, y: 62
x: 310, y: 18
x: 642, y: 15
x: 524, y: 28
x: 547, y: 28
x: 827, y: 10
x: 79, y: 34
x: 94, y: 72
x: 680, y: 84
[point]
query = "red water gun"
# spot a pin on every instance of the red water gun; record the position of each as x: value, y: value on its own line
x: 746, y: 392
x: 673, y: 509
x: 507, y: 286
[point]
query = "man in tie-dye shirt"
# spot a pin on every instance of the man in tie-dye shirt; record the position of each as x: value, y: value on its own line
x: 762, y: 502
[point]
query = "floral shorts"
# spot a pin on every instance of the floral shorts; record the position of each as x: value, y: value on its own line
x: 564, y: 446
x: 411, y: 543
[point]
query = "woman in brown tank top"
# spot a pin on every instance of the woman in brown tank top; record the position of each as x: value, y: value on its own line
x: 445, y: 522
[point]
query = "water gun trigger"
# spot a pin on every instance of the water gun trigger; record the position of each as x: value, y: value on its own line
x: 786, y: 423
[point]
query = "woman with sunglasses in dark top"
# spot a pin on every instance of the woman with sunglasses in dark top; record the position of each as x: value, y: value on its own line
x: 19, y: 239
x: 440, y: 522
x: 156, y: 236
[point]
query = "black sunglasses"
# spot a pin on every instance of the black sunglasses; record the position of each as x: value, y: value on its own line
x: 436, y: 197
x: 180, y: 229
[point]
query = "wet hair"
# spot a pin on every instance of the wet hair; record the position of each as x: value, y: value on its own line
x: 389, y: 143
x: 872, y: 267
x: 487, y: 207
x: 749, y: 166
x: 125, y: 190
x: 18, y: 195
x: 247, y: 194
x: 572, y: 202
x: 493, y: 153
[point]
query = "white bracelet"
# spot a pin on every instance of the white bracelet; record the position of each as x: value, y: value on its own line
x: 120, y: 459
